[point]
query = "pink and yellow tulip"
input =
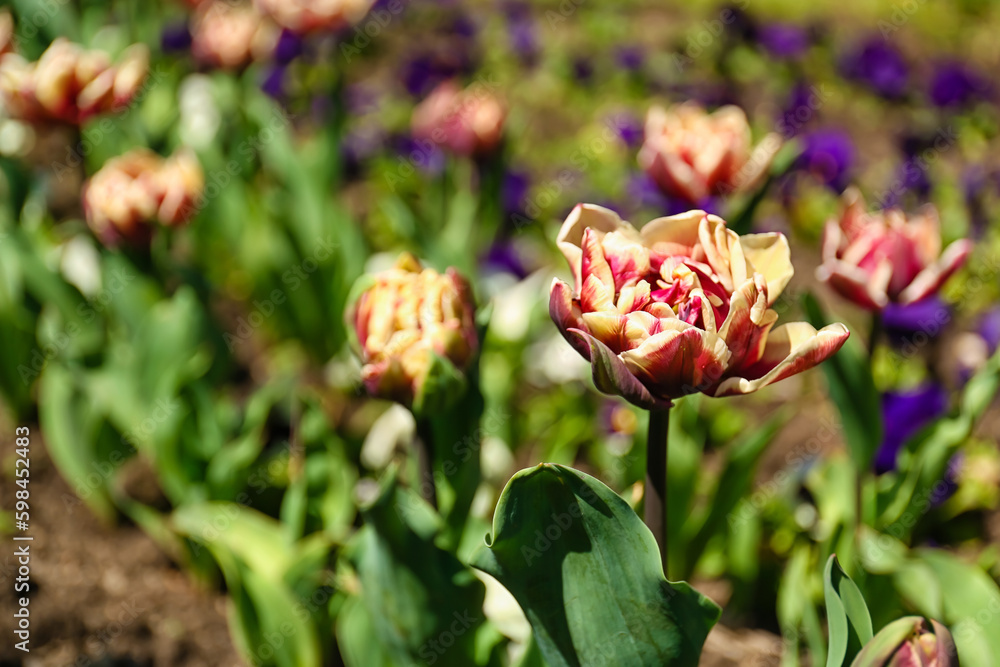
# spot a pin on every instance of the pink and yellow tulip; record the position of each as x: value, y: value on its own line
x: 692, y: 154
x: 873, y: 259
x: 909, y: 642
x: 139, y: 188
x: 466, y: 122
x: 230, y: 36
x: 70, y: 84
x: 682, y: 306
x: 303, y: 16
x: 411, y: 322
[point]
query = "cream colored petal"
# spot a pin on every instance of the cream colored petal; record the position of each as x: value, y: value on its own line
x: 866, y: 290
x: 770, y: 256
x: 582, y: 217
x: 675, y: 231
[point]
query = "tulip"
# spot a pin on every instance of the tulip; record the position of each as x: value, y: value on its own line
x: 909, y: 642
x: 692, y: 154
x: 683, y: 306
x: 70, y: 84
x: 6, y: 32
x: 138, y: 188
x: 303, y: 16
x: 873, y: 259
x: 466, y: 122
x: 230, y: 36
x: 415, y: 334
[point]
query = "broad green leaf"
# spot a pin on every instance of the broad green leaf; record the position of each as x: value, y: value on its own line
x: 587, y: 574
x: 846, y: 613
x: 853, y: 391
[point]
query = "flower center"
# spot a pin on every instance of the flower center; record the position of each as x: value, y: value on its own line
x: 692, y: 291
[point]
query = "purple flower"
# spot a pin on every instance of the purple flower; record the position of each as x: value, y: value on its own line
x: 175, y: 37
x: 828, y: 155
x: 786, y: 41
x: 629, y: 129
x: 289, y: 47
x: 905, y: 323
x: 989, y: 328
x: 904, y: 414
x: 954, y: 85
x: 424, y: 155
x: 514, y: 191
x: 274, y: 82
x: 629, y: 58
x: 880, y: 66
x: 910, y: 177
x: 800, y: 109
x: 646, y: 194
x: 503, y: 257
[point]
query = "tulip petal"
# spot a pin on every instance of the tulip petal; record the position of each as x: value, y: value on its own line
x: 582, y: 217
x: 592, y: 261
x: 680, y: 360
x: 947, y: 652
x: 673, y: 235
x: 855, y: 218
x: 934, y: 276
x: 748, y: 322
x: 566, y: 315
x: 790, y: 349
x: 612, y: 377
x: 855, y: 284
x: 770, y: 256
x: 609, y: 328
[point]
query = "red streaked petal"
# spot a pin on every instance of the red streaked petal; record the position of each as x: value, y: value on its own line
x: 934, y: 276
x: 592, y: 262
x: 612, y: 377
x: 854, y: 284
x: 679, y: 361
x: 790, y: 349
x: 748, y: 322
x: 566, y: 315
x: 607, y: 327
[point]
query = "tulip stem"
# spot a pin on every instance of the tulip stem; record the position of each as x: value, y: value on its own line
x: 874, y: 335
x: 425, y: 461
x: 655, y: 493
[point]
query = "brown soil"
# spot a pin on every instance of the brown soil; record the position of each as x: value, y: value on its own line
x: 101, y: 595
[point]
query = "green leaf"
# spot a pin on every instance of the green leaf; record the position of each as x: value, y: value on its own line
x: 425, y: 607
x: 587, y: 574
x: 852, y: 389
x: 847, y: 615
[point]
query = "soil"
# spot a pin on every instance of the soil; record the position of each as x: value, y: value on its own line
x: 102, y: 595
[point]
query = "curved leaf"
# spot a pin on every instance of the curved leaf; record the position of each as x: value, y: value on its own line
x: 847, y: 615
x: 587, y: 574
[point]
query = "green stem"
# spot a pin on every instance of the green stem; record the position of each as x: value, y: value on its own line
x: 875, y: 333
x: 425, y: 461
x: 655, y: 494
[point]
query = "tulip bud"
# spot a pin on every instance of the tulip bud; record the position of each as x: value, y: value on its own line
x: 416, y: 334
x: 692, y: 154
x: 302, y: 16
x: 230, y: 36
x: 70, y: 84
x: 874, y: 259
x: 132, y: 191
x: 682, y: 306
x: 909, y: 642
x: 466, y: 122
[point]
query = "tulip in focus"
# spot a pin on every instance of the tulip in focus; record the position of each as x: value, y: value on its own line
x: 132, y: 191
x: 303, y: 16
x: 416, y: 334
x: 466, y: 122
x: 909, y: 642
x: 230, y: 36
x: 874, y: 259
x: 682, y: 306
x: 69, y: 83
x: 692, y: 154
